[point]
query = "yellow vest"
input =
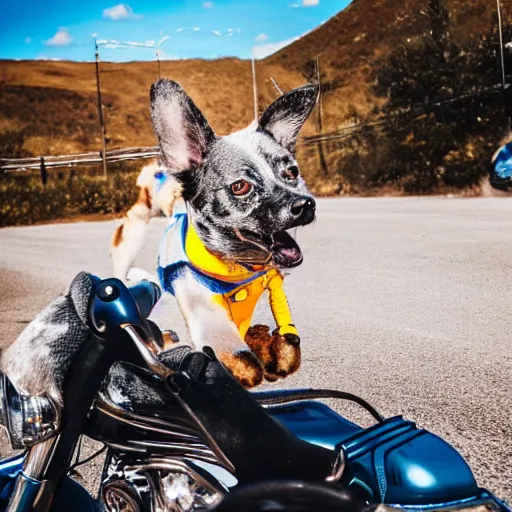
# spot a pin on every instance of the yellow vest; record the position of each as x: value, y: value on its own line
x: 240, y: 302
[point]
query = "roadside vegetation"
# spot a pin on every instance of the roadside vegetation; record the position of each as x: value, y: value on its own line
x: 69, y: 194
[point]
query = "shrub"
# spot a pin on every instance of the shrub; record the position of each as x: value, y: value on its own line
x: 24, y: 200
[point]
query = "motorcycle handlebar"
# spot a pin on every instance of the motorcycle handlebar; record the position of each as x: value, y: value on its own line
x: 146, y: 294
x: 114, y: 306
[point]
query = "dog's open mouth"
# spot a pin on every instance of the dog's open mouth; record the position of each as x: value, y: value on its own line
x: 281, y: 247
x: 285, y: 250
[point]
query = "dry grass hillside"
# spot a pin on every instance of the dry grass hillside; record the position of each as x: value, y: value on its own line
x: 359, y: 39
x: 55, y: 103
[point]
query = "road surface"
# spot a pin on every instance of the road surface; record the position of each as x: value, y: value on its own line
x: 406, y: 302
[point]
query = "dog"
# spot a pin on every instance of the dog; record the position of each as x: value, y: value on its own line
x: 242, y: 193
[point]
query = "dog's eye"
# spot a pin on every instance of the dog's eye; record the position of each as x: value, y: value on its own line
x: 241, y: 187
x: 291, y: 173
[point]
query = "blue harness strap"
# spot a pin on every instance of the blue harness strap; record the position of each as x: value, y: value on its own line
x: 160, y: 178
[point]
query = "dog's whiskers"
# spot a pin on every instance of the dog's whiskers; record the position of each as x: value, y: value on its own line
x: 253, y: 242
x: 255, y: 261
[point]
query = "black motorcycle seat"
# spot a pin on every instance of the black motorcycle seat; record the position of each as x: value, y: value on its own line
x: 227, y: 416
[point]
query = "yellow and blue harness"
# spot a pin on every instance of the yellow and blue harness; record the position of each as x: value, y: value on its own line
x: 236, y: 288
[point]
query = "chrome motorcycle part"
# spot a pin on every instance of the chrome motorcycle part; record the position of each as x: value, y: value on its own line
x: 338, y: 467
x: 28, y: 483
x: 28, y: 420
x: 23, y: 495
x: 128, y: 431
x: 37, y: 459
x: 158, y: 484
x: 121, y: 496
x: 148, y: 350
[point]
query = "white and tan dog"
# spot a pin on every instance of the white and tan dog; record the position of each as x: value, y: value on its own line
x: 241, y: 192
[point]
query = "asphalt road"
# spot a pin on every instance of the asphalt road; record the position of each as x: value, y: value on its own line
x: 406, y: 302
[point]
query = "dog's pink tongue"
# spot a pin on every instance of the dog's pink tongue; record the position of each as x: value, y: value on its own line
x: 287, y: 256
x: 286, y: 252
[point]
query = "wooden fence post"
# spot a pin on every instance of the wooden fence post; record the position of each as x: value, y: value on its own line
x: 254, y: 88
x: 44, y: 174
x: 319, y: 109
x: 100, y: 112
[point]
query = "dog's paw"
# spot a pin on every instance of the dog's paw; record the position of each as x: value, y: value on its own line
x: 259, y: 340
x: 287, y: 353
x: 280, y: 355
x: 245, y: 367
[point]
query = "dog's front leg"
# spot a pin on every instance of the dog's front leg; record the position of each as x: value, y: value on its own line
x: 282, y: 349
x: 209, y: 324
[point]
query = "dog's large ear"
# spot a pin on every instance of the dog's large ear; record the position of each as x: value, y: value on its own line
x: 183, y: 132
x: 284, y: 118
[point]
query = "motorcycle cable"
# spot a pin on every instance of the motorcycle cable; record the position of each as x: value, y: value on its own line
x: 292, y: 395
x: 78, y: 463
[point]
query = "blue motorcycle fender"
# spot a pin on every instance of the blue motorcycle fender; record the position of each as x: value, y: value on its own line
x: 70, y: 492
x: 407, y: 465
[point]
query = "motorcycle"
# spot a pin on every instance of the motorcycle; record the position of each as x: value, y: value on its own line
x: 181, y: 434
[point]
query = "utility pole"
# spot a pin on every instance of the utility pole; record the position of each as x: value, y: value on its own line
x: 503, y: 73
x: 254, y: 89
x: 158, y: 60
x: 100, y: 112
x: 500, y: 28
x: 320, y: 124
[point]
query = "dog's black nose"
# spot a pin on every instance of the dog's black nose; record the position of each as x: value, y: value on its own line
x: 303, y: 205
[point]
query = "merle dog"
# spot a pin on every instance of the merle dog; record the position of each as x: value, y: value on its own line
x: 242, y: 193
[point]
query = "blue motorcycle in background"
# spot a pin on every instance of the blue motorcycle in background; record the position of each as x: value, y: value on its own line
x: 500, y: 176
x: 180, y: 434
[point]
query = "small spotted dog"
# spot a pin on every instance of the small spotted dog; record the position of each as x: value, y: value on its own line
x: 242, y: 193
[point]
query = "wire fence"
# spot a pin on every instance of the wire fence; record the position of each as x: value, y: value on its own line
x: 96, y: 157
x: 93, y: 158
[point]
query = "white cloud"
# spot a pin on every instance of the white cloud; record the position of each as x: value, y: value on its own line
x: 44, y: 57
x: 310, y: 3
x: 120, y: 12
x: 162, y: 40
x: 61, y: 38
x: 294, y: 5
x: 207, y: 5
x: 28, y: 40
x: 260, y: 38
x: 94, y: 35
x: 264, y: 50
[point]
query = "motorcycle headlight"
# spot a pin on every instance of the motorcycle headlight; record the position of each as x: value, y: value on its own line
x: 28, y: 420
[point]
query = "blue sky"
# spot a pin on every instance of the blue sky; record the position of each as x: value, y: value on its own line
x: 66, y: 29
